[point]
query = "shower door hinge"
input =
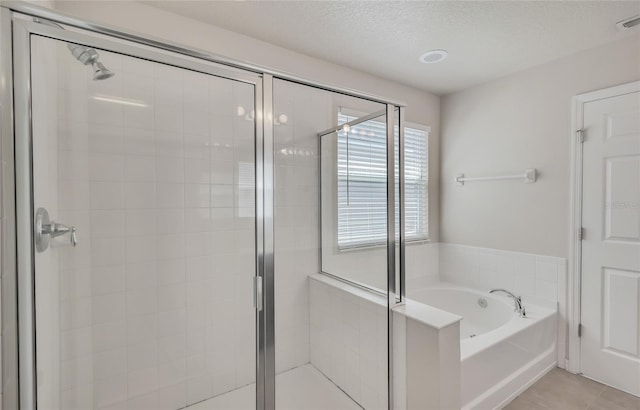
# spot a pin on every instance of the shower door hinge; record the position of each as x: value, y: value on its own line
x: 580, y: 234
x: 257, y: 292
x: 579, y: 329
x: 580, y: 135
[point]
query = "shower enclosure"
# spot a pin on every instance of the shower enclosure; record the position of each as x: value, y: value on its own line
x: 165, y: 222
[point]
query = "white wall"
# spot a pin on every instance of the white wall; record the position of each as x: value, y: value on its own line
x: 521, y: 121
x: 422, y: 107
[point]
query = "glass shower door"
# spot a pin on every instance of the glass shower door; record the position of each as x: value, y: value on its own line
x: 144, y: 291
x: 331, y: 347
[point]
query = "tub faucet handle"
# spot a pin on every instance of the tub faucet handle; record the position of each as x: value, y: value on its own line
x: 520, y: 308
x: 45, y: 230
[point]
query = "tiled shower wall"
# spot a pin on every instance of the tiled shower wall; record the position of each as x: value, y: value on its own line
x: 155, y: 306
x: 300, y: 113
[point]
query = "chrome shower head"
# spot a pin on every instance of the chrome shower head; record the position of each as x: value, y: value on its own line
x: 83, y: 54
x: 86, y: 55
x: 100, y: 72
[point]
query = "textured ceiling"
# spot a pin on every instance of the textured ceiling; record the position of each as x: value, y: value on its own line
x: 485, y: 39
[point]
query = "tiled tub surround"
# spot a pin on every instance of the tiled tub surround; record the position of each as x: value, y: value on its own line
x: 440, y: 369
x: 534, y: 277
x: 155, y: 305
x: 538, y: 279
x: 494, y: 367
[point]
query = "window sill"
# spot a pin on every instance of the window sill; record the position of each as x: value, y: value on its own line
x: 380, y: 245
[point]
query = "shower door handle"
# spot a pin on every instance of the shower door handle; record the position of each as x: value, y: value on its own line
x: 257, y: 292
x: 46, y: 229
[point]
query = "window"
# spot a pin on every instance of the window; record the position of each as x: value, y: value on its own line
x: 362, y: 183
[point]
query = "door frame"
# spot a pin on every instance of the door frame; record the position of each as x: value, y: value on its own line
x: 572, y: 362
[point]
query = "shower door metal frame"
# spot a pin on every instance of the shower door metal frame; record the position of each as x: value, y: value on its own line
x: 396, y: 258
x: 149, y: 45
x: 21, y: 32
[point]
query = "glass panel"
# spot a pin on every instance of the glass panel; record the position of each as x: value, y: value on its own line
x: 154, y: 167
x: 330, y: 342
x: 354, y: 202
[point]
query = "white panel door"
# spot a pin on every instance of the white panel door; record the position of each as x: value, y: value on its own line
x: 610, y: 342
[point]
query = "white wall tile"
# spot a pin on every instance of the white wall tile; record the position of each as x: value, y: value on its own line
x: 546, y: 269
x: 106, y: 139
x: 107, y: 223
x: 347, y: 336
x: 140, y: 222
x: 140, y: 248
x: 168, y: 117
x: 532, y: 276
x: 142, y: 355
x: 108, y: 336
x: 110, y: 391
x: 137, y: 141
x: 170, y: 170
x: 171, y: 271
x: 109, y: 308
x: 105, y: 167
x: 139, y: 195
x: 139, y: 168
x: 142, y: 302
x: 76, y: 342
x: 196, y: 122
x: 139, y: 117
x: 106, y: 195
x: 107, y: 252
x: 110, y: 363
x: 169, y: 144
x: 197, y: 196
x: 73, y: 136
x: 142, y: 329
x: 170, y: 195
x: 197, y: 171
x: 73, y: 165
x: 142, y: 381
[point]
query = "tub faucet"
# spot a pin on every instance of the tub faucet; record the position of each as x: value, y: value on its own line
x: 517, y: 300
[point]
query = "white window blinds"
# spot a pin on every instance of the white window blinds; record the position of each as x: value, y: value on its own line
x: 362, y: 184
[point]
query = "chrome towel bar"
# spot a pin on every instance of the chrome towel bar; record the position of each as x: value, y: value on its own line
x: 529, y: 176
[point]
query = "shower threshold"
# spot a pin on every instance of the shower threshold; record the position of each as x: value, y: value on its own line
x: 302, y: 388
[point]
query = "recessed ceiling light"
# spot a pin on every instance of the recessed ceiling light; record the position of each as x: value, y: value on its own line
x: 433, y: 56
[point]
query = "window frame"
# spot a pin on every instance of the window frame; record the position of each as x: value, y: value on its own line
x: 419, y: 239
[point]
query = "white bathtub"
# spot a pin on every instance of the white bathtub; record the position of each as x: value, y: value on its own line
x: 501, y: 354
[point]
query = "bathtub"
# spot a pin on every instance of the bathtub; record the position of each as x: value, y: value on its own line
x: 501, y: 353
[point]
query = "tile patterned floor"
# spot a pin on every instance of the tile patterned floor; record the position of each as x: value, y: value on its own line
x: 302, y: 388
x: 561, y: 390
